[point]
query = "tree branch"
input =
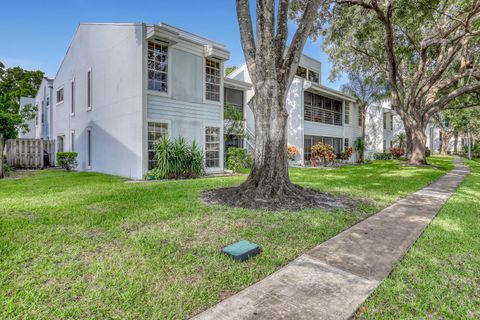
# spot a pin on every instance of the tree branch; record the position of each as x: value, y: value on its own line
x: 246, y: 35
x: 282, y: 31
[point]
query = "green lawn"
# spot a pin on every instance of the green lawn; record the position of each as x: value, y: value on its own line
x: 440, y: 276
x: 87, y: 245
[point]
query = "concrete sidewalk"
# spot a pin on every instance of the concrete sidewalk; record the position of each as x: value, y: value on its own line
x: 332, y: 280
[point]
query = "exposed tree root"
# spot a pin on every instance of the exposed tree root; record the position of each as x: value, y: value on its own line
x: 287, y: 197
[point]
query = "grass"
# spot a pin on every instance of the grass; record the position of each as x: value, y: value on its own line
x: 88, y: 245
x: 440, y: 276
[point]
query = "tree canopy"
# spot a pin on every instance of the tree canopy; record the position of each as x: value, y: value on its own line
x: 15, y: 83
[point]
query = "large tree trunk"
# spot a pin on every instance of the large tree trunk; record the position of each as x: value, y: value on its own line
x: 455, y: 148
x: 416, y: 141
x: 1, y: 156
x: 446, y: 136
x: 269, y: 176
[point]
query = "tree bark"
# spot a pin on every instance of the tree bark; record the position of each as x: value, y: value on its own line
x: 455, y: 148
x: 1, y: 156
x: 416, y: 141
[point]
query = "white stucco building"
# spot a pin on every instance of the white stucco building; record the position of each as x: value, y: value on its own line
x: 122, y: 86
x: 316, y: 113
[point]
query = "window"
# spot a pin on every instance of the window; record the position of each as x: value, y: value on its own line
x: 157, y: 65
x: 391, y: 144
x: 72, y: 140
x: 59, y: 143
x: 48, y: 101
x: 384, y: 145
x: 309, y: 141
x: 60, y: 95
x: 212, y: 147
x: 385, y: 121
x: 313, y: 76
x: 321, y: 109
x: 89, y: 90
x: 89, y: 147
x: 72, y: 111
x: 43, y: 112
x: 212, y: 80
x: 346, y: 143
x: 391, y: 121
x: 347, y: 114
x: 234, y: 98
x: 156, y: 130
x: 302, y: 72
x: 360, y: 118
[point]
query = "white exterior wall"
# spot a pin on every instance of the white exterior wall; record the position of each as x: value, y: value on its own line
x: 44, y: 97
x: 113, y: 53
x: 30, y: 133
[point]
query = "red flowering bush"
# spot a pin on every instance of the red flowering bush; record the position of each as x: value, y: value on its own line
x: 345, y: 155
x: 323, y: 153
x: 397, y: 152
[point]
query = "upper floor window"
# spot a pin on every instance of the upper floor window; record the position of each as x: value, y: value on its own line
x: 72, y: 102
x: 321, y: 109
x: 89, y: 89
x: 308, y: 74
x: 157, y: 60
x: 48, y: 101
x: 347, y: 114
x: 360, y: 118
x: 212, y: 80
x: 391, y: 121
x: 43, y: 112
x: 302, y: 72
x: 60, y: 95
x: 313, y: 76
x: 385, y: 121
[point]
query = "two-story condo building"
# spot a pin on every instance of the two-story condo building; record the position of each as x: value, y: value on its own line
x: 122, y: 86
x: 316, y: 113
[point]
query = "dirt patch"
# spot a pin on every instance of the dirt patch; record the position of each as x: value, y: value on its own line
x: 310, y: 198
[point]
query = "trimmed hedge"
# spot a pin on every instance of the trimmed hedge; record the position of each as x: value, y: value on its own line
x: 382, y: 156
x: 67, y: 160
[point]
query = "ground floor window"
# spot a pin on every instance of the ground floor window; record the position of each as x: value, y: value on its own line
x: 59, y: 143
x: 72, y: 138
x: 384, y: 145
x: 309, y: 141
x: 212, y: 147
x: 346, y: 144
x: 89, y: 147
x: 156, y: 130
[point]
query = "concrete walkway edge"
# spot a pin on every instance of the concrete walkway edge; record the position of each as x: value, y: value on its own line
x: 332, y: 280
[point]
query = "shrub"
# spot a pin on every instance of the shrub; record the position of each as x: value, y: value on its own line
x: 322, y: 152
x: 345, y: 155
x: 428, y: 153
x: 397, y: 153
x: 238, y: 158
x: 292, y: 151
x: 177, y: 159
x: 67, y: 160
x: 382, y: 156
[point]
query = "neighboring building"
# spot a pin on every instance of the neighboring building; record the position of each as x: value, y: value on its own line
x: 382, y: 127
x: 123, y: 86
x: 316, y: 113
x: 30, y: 132
x: 44, y: 117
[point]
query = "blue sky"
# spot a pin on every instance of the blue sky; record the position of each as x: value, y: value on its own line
x: 36, y: 34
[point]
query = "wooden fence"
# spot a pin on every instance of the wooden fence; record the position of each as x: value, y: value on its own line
x: 29, y: 153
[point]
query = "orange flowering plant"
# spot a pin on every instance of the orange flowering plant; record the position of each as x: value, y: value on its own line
x: 322, y: 152
x: 292, y: 151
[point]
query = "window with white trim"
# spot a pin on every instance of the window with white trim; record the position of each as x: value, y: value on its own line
x: 156, y: 130
x: 391, y: 121
x: 384, y: 145
x: 72, y: 140
x: 59, y: 143
x: 212, y: 80
x: 384, y: 120
x: 89, y: 148
x: 212, y: 147
x: 346, y: 144
x: 360, y: 118
x: 89, y: 89
x: 60, y: 95
x: 72, y: 101
x: 313, y: 76
x: 157, y: 66
x: 347, y: 114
